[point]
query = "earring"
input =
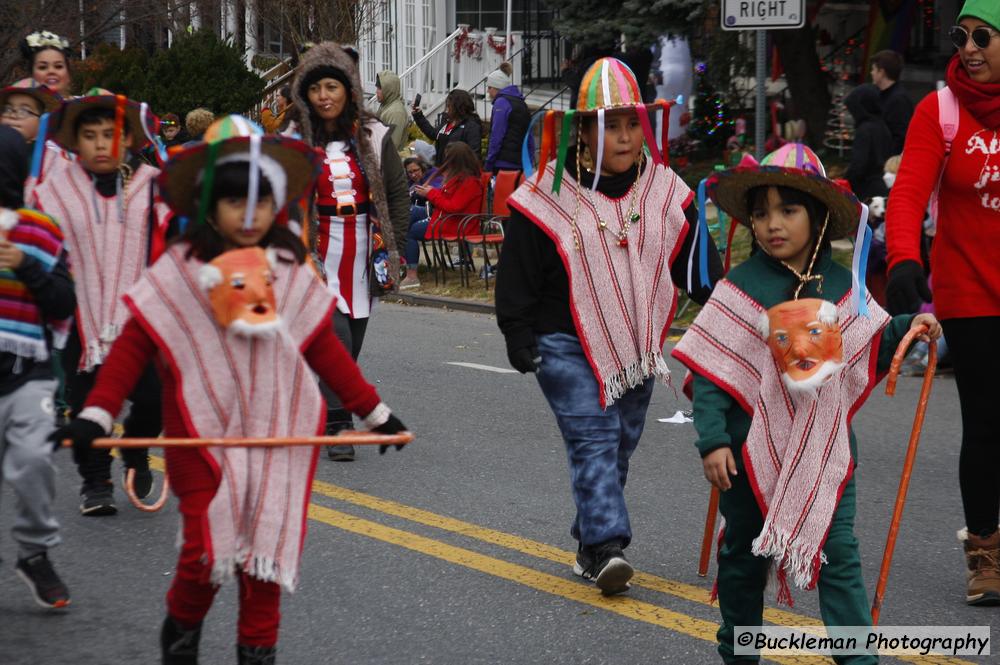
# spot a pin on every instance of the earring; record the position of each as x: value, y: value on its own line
x: 586, y: 160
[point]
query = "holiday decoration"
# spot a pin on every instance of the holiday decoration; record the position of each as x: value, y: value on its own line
x: 840, y: 125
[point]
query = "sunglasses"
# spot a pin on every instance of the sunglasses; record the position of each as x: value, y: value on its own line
x: 981, y: 36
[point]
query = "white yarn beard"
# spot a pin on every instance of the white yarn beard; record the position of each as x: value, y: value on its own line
x: 267, y: 330
x: 812, y: 385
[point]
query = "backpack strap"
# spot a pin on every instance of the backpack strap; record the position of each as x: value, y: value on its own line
x: 947, y: 117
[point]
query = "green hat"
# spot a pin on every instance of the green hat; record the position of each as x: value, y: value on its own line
x: 984, y: 10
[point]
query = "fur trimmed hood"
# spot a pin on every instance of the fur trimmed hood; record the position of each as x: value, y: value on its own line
x: 367, y: 140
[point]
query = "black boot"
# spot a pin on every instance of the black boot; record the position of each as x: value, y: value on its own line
x: 338, y: 420
x: 179, y: 645
x: 246, y: 655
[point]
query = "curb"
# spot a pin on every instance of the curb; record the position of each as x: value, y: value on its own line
x: 460, y: 305
x: 441, y: 302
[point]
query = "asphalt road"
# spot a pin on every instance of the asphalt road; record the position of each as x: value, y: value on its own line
x: 457, y: 549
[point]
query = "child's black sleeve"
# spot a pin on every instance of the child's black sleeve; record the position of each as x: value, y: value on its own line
x: 53, y: 290
x: 679, y: 268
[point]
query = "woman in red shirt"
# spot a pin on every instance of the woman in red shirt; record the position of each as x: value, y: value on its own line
x: 461, y: 194
x: 965, y: 261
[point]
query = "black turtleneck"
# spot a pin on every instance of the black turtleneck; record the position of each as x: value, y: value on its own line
x: 532, y: 295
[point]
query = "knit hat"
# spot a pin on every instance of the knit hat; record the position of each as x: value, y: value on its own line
x: 608, y: 85
x: 985, y: 10
x: 49, y: 99
x: 497, y: 79
x: 289, y: 165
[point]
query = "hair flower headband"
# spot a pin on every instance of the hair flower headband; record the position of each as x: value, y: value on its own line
x: 46, y: 39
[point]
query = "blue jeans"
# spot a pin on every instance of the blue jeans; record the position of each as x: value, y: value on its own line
x: 413, y: 238
x: 599, y: 442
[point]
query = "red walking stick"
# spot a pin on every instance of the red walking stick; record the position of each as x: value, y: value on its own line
x: 706, y: 539
x: 911, y: 454
x: 347, y: 437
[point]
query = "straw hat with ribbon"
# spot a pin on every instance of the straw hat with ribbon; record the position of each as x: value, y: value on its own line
x: 49, y: 99
x: 796, y: 166
x: 289, y: 165
x: 143, y: 123
x: 608, y: 85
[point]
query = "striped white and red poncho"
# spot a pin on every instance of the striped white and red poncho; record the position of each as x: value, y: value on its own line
x: 622, y: 298
x: 797, y: 453
x: 232, y: 386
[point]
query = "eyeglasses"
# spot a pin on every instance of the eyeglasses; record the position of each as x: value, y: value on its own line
x: 981, y: 36
x: 17, y: 112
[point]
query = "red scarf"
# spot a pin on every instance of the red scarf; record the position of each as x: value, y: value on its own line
x: 982, y: 100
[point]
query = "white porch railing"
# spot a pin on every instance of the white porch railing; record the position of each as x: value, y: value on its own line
x: 461, y: 60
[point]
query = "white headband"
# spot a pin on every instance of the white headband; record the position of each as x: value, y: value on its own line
x: 269, y: 166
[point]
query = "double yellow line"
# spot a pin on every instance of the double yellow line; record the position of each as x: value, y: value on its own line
x: 563, y: 587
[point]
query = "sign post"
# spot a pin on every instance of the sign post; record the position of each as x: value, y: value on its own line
x: 761, y: 16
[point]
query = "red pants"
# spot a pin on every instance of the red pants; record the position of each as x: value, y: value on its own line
x: 191, y: 594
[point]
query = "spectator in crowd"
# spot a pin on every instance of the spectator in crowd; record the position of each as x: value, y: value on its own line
x: 22, y: 105
x: 461, y: 124
x: 392, y: 111
x: 419, y: 172
x: 272, y: 121
x: 47, y: 56
x: 460, y: 195
x: 509, y: 123
x: 897, y: 107
x: 872, y: 143
x: 964, y: 265
x: 196, y: 122
x: 171, y: 130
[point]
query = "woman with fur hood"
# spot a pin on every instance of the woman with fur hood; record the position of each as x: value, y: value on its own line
x: 362, y: 189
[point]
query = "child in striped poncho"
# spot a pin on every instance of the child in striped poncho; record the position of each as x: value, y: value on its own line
x: 782, y: 356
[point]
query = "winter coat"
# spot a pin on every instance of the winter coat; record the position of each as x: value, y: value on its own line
x: 469, y: 130
x: 392, y: 111
x: 387, y: 185
x: 897, y: 109
x: 508, y: 126
x: 872, y: 143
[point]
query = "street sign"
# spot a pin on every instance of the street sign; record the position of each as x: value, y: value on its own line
x: 763, y: 14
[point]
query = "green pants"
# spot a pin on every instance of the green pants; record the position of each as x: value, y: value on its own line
x: 842, y: 597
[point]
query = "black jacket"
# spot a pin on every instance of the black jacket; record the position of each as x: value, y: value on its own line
x: 532, y: 291
x: 897, y: 110
x: 872, y: 143
x: 469, y: 130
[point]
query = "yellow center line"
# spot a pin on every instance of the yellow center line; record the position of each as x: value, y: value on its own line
x: 586, y: 594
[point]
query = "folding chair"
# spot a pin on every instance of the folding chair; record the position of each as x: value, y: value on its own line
x: 487, y: 230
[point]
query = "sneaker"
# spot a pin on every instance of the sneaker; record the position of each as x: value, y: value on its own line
x: 982, y: 556
x: 142, y: 483
x: 179, y: 645
x: 247, y: 655
x: 584, y: 563
x: 342, y: 453
x: 410, y: 282
x: 38, y: 573
x: 98, y: 499
x: 608, y: 567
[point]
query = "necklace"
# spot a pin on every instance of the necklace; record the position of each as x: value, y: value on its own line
x: 631, y: 216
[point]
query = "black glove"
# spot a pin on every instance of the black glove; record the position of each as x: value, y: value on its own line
x: 907, y: 288
x: 525, y: 359
x: 392, y: 426
x: 82, y: 433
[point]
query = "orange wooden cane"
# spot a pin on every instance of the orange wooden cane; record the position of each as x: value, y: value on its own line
x: 347, y: 437
x: 911, y: 454
x: 706, y: 539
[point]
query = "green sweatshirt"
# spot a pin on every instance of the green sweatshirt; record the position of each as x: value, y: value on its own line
x: 392, y: 111
x: 718, y: 418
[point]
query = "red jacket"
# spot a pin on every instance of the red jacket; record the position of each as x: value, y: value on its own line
x: 460, y: 196
x: 965, y: 255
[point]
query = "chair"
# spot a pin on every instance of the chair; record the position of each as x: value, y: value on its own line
x: 487, y: 230
x: 447, y: 229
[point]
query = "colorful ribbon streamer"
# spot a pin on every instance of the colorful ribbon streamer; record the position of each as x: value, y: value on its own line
x: 567, y: 129
x: 120, y: 102
x: 526, y: 164
x: 600, y: 151
x: 859, y: 263
x: 38, y: 154
x: 253, y: 188
x: 208, y: 181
